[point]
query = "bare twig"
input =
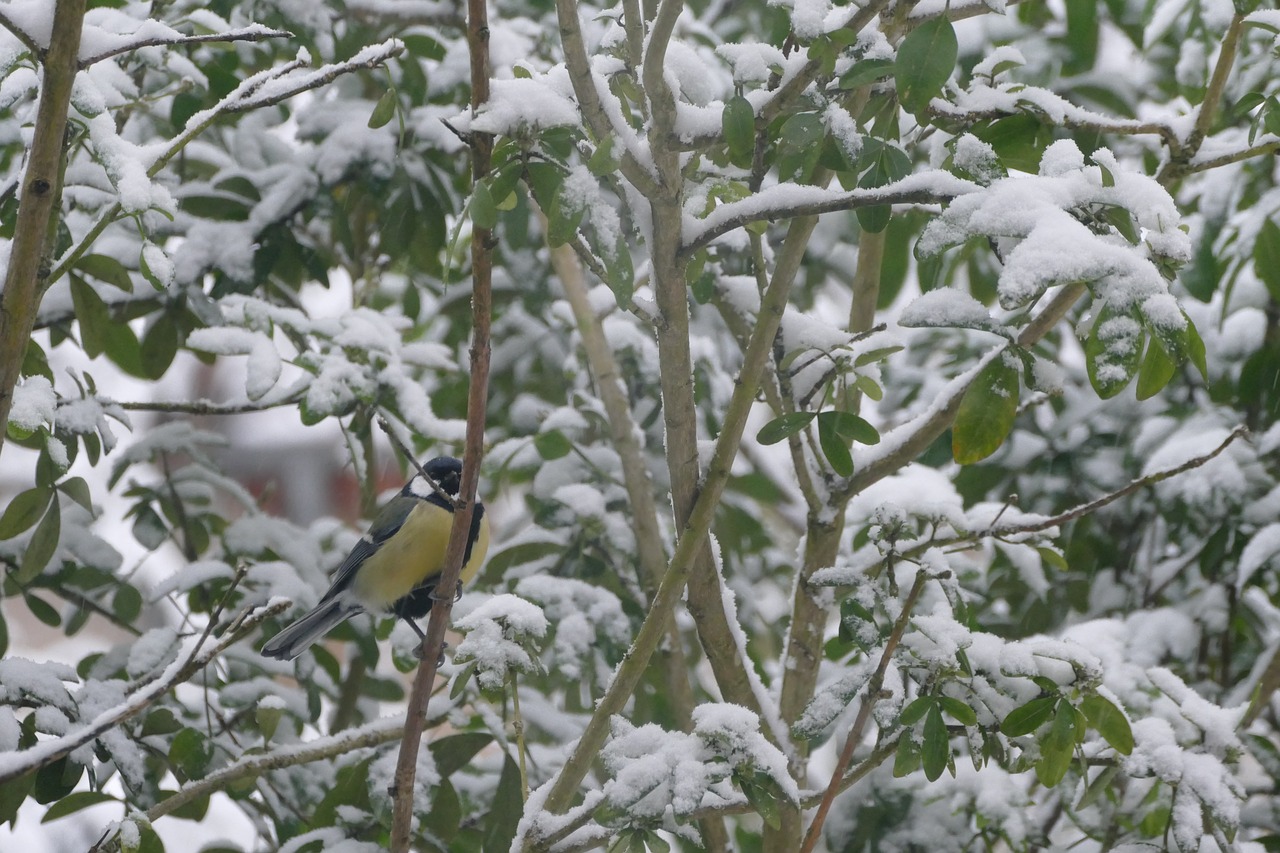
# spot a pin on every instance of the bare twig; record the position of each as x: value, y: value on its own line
x: 1097, y: 504
x: 202, y: 407
x: 869, y: 699
x: 481, y: 313
x: 413, y: 460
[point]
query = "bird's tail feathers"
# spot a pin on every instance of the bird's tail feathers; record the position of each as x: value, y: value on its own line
x: 298, y: 637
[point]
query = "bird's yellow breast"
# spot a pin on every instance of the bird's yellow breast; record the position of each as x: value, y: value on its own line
x: 413, y: 555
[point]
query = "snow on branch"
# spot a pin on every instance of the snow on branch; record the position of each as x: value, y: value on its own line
x: 788, y: 200
x: 19, y: 762
x: 125, y: 42
x: 28, y: 41
x: 265, y: 88
x: 982, y: 102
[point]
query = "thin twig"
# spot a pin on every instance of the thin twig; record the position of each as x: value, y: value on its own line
x: 1097, y: 504
x: 178, y: 672
x: 413, y: 460
x: 402, y: 786
x: 869, y: 699
x: 253, y: 33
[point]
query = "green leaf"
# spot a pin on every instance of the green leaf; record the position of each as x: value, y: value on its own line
x: 1109, y: 721
x: 446, y: 812
x: 74, y: 802
x: 190, y: 753
x: 1113, y: 352
x: 563, y: 219
x: 43, y: 544
x: 484, y: 212
x: 159, y: 347
x: 851, y: 426
x: 1156, y: 371
x: 834, y: 446
x: 620, y: 274
x: 739, y: 124
x: 508, y: 806
x: 1082, y: 36
x: 962, y: 712
x: 149, y: 529
x: 350, y: 788
x: 784, y: 427
x: 1053, y: 558
x: 1196, y: 350
x: 92, y: 315
x: 887, y: 163
x: 42, y: 610
x: 385, y: 109
x: 936, y: 748
x: 986, y: 412
x: 1266, y: 257
x: 1099, y: 786
x: 75, y: 488
x: 602, y: 161
x: 106, y: 269
x: 1057, y: 746
x: 127, y: 603
x: 866, y: 71
x: 925, y: 60
x: 456, y: 751
x: 799, y: 146
x: 869, y: 386
x: 907, y: 757
x: 917, y: 709
x: 552, y: 444
x: 24, y: 510
x: 873, y: 355
x: 1029, y: 717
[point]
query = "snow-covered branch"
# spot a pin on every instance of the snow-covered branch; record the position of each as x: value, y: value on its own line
x: 787, y: 201
x: 254, y: 32
x: 15, y: 764
x: 7, y: 22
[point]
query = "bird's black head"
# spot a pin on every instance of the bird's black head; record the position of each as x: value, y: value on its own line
x: 445, y: 470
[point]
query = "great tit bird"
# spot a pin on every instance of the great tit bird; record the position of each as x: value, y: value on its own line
x: 394, y: 567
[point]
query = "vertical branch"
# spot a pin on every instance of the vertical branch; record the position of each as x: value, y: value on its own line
x: 694, y: 534
x: 32, y: 248
x: 481, y: 313
x: 874, y: 686
x: 635, y: 473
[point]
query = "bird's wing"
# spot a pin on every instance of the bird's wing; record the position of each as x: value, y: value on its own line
x: 385, y: 525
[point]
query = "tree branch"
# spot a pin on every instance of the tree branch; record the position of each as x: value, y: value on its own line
x: 8, y: 23
x: 906, y: 442
x: 584, y: 88
x: 869, y: 699
x: 786, y: 201
x: 255, y: 32
x: 1098, y: 503
x: 402, y: 788
x: 178, y: 672
x: 250, y: 94
x: 32, y: 247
